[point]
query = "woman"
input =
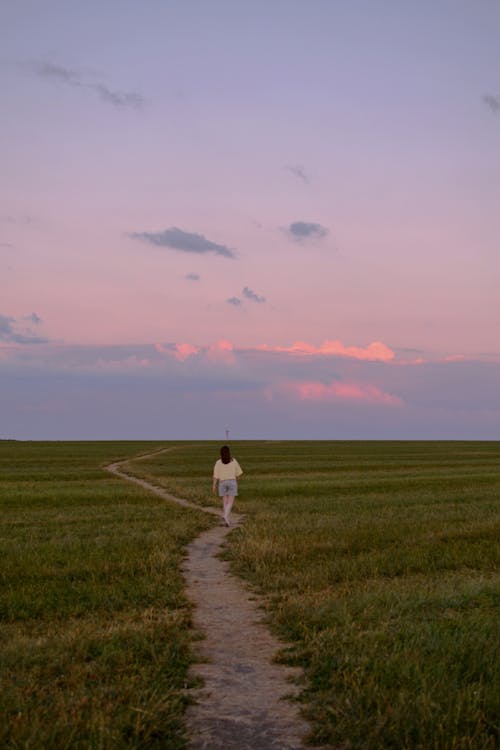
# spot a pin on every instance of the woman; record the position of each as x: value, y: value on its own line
x: 226, y: 472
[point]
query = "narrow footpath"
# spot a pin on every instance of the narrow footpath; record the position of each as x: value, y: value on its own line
x: 242, y: 704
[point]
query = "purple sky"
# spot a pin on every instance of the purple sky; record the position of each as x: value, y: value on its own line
x: 276, y: 217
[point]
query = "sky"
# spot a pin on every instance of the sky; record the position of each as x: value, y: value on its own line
x: 278, y: 218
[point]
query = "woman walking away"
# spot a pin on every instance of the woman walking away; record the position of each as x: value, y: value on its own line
x: 226, y: 472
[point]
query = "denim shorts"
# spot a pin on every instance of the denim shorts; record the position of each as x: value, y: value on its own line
x: 228, y: 487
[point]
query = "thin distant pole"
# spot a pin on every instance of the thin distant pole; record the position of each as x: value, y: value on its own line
x: 227, y: 434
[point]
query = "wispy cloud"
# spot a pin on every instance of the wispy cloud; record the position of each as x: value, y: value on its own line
x: 492, y: 102
x: 51, y: 70
x: 221, y: 351
x: 192, y: 276
x: 374, y: 352
x: 301, y: 231
x: 13, y: 332
x: 118, y: 98
x: 187, y: 242
x: 235, y: 301
x: 344, y: 391
x: 78, y: 79
x: 21, y: 220
x: 300, y: 350
x: 249, y: 294
x: 33, y: 318
x: 298, y: 171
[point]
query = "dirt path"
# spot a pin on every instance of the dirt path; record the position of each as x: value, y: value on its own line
x: 241, y: 705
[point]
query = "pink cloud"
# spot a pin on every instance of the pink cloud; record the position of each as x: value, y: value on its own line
x: 183, y: 351
x: 314, y: 391
x: 222, y: 351
x: 376, y: 351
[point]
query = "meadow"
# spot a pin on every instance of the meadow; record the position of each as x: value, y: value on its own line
x: 377, y: 561
x: 94, y: 625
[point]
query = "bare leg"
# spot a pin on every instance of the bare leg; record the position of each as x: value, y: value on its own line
x: 224, y: 507
x: 228, y: 504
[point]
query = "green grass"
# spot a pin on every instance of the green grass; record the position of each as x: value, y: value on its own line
x: 378, y: 562
x: 94, y: 625
x: 380, y: 566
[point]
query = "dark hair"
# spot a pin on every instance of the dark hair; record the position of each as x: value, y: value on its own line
x: 225, y: 454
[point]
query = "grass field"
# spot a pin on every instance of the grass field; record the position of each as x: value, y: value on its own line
x: 94, y: 643
x: 378, y: 561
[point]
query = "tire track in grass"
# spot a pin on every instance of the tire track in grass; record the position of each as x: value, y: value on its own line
x: 242, y: 704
